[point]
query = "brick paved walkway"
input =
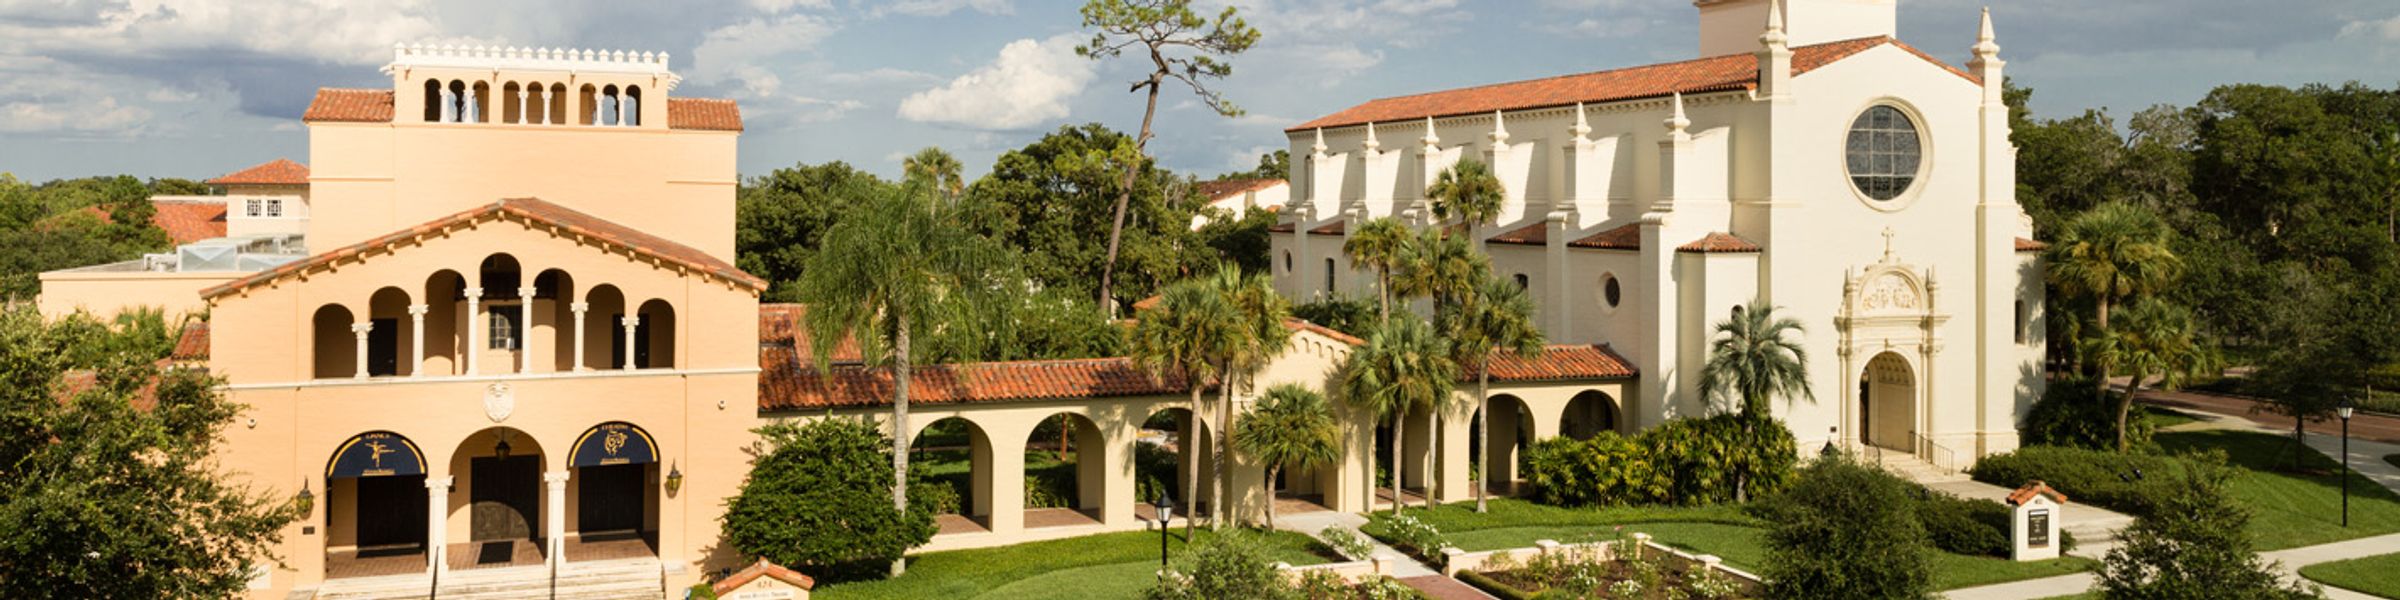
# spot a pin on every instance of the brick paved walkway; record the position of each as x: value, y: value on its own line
x: 1443, y: 588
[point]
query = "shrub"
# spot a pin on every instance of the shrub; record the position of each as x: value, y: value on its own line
x: 1349, y: 544
x: 1341, y: 313
x: 1233, y: 564
x: 1416, y: 535
x: 1686, y: 461
x: 2196, y: 545
x: 1962, y: 526
x: 1494, y: 587
x: 936, y: 497
x: 2106, y: 479
x: 1053, y: 488
x: 2071, y: 413
x: 819, y: 499
x: 1846, y: 530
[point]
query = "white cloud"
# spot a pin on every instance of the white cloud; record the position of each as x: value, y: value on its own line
x: 1028, y: 84
x: 778, y: 6
x: 879, y: 75
x: 2388, y: 29
x: 100, y: 115
x: 1415, y: 7
x: 936, y: 8
x: 327, y: 32
x: 737, y: 54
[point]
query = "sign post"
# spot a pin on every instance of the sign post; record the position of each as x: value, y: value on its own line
x: 2033, y: 529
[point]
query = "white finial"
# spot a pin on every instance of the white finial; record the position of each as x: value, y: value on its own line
x: 1499, y: 128
x: 1678, y: 122
x: 1774, y: 35
x: 1985, y: 43
x: 1431, y: 140
x: 1582, y: 126
x: 1319, y: 148
x: 662, y: 59
x: 1371, y: 144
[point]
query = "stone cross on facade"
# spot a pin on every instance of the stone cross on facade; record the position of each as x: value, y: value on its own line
x: 1887, y: 243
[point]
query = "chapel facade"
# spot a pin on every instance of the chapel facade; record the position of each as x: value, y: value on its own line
x: 1807, y: 160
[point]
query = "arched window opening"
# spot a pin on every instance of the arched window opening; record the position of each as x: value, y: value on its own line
x: 654, y: 339
x: 556, y: 113
x: 434, y: 101
x: 333, y: 344
x: 603, y: 333
x: 611, y: 104
x: 955, y: 458
x: 1329, y: 277
x: 1523, y: 282
x: 589, y: 100
x: 632, y: 106
x: 1064, y: 475
x: 1588, y: 414
x: 2021, y: 319
x: 444, y: 326
x: 512, y: 103
x: 456, y: 102
x: 479, y: 105
x: 389, y: 332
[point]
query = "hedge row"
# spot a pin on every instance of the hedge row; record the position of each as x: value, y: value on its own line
x: 1685, y: 462
x: 2126, y: 483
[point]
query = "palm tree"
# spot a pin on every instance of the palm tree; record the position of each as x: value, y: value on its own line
x: 1379, y: 244
x: 1260, y: 336
x: 1404, y: 367
x: 1291, y: 426
x: 1495, y: 316
x: 937, y: 168
x: 2155, y: 337
x: 2109, y: 253
x: 1437, y: 265
x: 889, y: 268
x: 1753, y: 360
x: 1190, y: 331
x: 1468, y: 192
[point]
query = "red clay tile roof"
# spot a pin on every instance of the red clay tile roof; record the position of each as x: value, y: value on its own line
x: 1537, y: 234
x: 350, y: 106
x: 705, y: 114
x: 762, y: 568
x: 2026, y: 245
x: 1334, y: 228
x: 193, y: 343
x: 281, y: 171
x: 1220, y: 190
x: 1282, y: 227
x: 533, y: 212
x: 188, y: 222
x: 782, y: 324
x: 785, y: 382
x: 1717, y: 242
x: 2034, y: 488
x: 375, y: 106
x: 1627, y: 237
x: 1304, y: 325
x: 1716, y: 74
x: 1562, y: 361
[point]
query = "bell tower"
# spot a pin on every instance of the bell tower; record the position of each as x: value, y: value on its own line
x: 1732, y: 26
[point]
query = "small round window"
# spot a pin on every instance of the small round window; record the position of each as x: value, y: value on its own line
x: 1883, y: 152
x: 1610, y: 291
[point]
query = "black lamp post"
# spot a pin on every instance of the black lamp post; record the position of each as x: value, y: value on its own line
x: 2347, y: 407
x: 1166, y: 513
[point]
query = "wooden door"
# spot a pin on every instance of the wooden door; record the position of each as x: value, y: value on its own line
x: 391, y: 511
x: 610, y: 497
x: 506, y: 501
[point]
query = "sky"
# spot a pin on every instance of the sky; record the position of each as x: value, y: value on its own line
x: 198, y: 88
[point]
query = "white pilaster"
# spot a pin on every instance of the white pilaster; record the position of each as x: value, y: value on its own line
x: 416, y: 339
x: 633, y: 330
x: 524, y: 329
x: 554, y: 516
x: 359, y: 330
x: 474, y: 329
x: 580, y: 309
x: 437, y: 506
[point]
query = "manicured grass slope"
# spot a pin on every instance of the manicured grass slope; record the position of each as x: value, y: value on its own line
x: 1720, y: 530
x: 2290, y: 508
x: 2378, y: 575
x: 1109, y: 565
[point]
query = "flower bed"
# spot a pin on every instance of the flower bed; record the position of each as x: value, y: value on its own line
x: 1626, y: 568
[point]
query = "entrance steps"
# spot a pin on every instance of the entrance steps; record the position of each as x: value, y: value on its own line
x: 1913, y: 468
x: 631, y: 579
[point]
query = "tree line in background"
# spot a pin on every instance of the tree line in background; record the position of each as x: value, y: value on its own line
x: 69, y: 223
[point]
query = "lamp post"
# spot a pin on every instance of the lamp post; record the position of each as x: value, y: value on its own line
x: 2344, y: 410
x: 1166, y: 513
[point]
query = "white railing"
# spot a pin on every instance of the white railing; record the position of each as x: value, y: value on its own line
x: 415, y: 54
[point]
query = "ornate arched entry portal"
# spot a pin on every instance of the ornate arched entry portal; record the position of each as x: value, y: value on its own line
x: 375, y: 506
x: 1887, y: 402
x: 612, y: 495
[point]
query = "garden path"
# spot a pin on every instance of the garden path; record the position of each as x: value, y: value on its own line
x: 1415, y: 574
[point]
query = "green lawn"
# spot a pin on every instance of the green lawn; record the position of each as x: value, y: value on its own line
x: 1720, y: 530
x: 1109, y: 565
x: 2168, y: 417
x: 2293, y: 509
x: 2378, y: 575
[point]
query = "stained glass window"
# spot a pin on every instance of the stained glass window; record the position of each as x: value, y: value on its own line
x: 1883, y: 152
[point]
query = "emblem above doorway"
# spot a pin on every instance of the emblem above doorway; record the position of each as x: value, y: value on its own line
x: 498, y: 401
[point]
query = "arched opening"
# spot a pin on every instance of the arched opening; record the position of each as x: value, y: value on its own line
x: 1329, y: 290
x: 1161, y: 461
x: 590, y: 102
x: 479, y: 105
x: 389, y: 333
x: 557, y: 108
x: 444, y: 327
x: 503, y: 317
x: 375, y: 507
x: 1588, y: 414
x: 333, y: 344
x: 1523, y: 281
x: 611, y: 105
x: 2022, y: 317
x: 455, y: 104
x: 951, y: 461
x: 631, y: 108
x: 654, y: 339
x: 603, y: 332
x: 1506, y: 431
x: 1287, y: 261
x: 498, y: 501
x: 512, y: 103
x: 553, y: 320
x: 1064, y: 480
x: 1416, y: 458
x: 1887, y: 403
x: 436, y: 107
x: 612, y: 493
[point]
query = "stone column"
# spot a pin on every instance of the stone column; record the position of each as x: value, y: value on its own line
x: 359, y: 330
x: 633, y: 329
x: 580, y: 309
x: 416, y: 339
x: 437, y: 503
x: 522, y: 101
x: 474, y: 329
x: 554, y: 517
x: 524, y: 329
